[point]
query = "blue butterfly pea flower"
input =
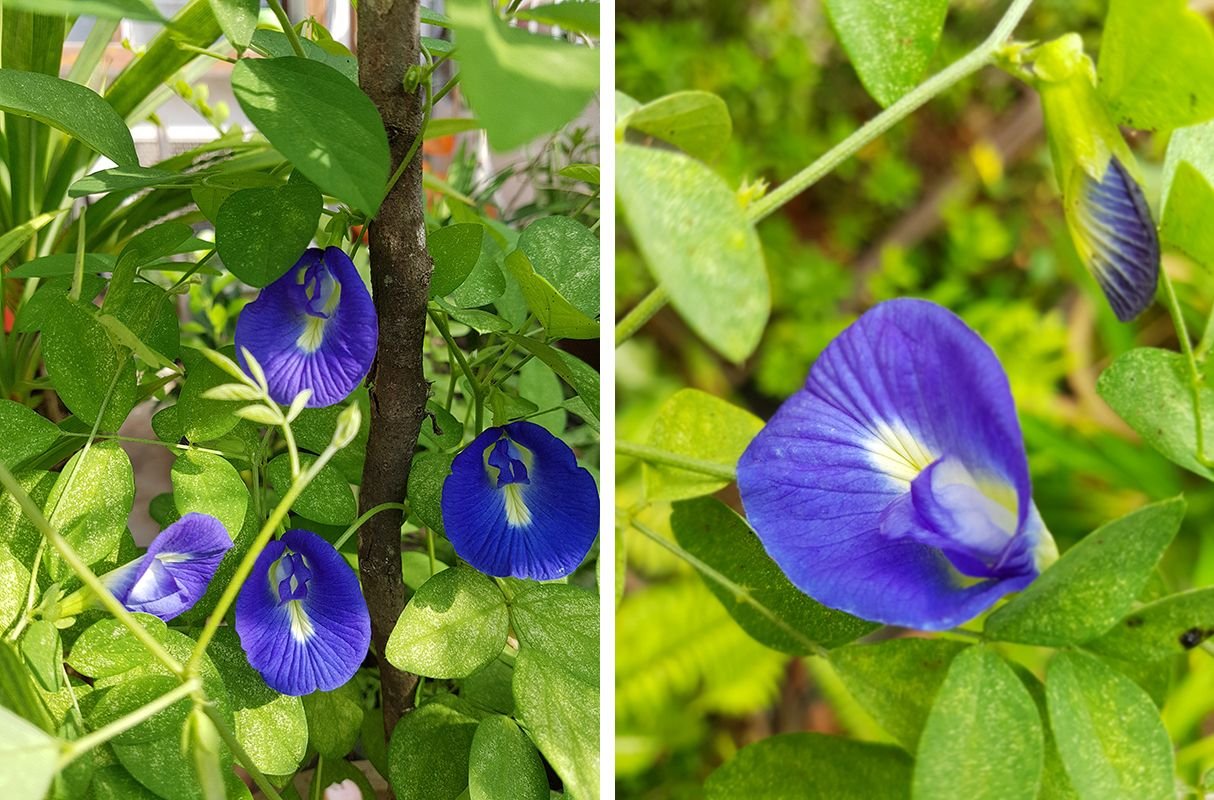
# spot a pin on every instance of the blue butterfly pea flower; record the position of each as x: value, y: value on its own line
x: 313, y: 328
x: 894, y: 485
x: 517, y: 504
x: 174, y: 572
x: 301, y: 616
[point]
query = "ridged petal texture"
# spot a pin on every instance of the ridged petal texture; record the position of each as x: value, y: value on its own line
x: 313, y: 328
x: 174, y: 572
x: 301, y: 616
x: 517, y: 504
x: 1116, y: 237
x: 894, y: 485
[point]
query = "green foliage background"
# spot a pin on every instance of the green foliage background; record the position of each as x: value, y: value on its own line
x: 956, y: 204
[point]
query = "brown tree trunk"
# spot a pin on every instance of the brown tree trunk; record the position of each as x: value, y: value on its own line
x: 388, y: 44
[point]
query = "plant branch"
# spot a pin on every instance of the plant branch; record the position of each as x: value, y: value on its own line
x: 74, y: 749
x: 389, y: 44
x: 287, y: 28
x: 1196, y: 382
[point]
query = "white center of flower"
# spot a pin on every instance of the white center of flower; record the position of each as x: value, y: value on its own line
x: 517, y: 513
x: 893, y: 450
x: 301, y: 626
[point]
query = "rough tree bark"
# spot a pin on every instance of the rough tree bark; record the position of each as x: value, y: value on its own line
x: 388, y: 44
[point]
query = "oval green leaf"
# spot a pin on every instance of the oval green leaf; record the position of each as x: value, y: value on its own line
x: 983, y: 737
x: 260, y: 233
x: 696, y: 239
x: 701, y: 426
x: 890, y: 42
x: 455, y: 625
x: 76, y: 110
x: 455, y: 250
x: 1094, y: 584
x: 209, y: 484
x: 504, y: 764
x: 325, y: 126
x: 328, y: 499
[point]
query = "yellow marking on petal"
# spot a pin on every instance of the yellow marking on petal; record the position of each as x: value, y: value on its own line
x: 517, y: 513
x: 896, y: 452
x: 301, y: 626
x: 313, y: 334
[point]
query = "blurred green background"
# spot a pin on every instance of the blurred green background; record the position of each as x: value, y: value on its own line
x: 957, y: 204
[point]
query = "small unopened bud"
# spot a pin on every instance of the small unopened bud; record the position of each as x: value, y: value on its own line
x: 349, y: 421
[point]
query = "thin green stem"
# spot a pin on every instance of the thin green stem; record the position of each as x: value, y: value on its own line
x: 246, y: 565
x: 654, y: 455
x: 740, y: 593
x: 641, y: 313
x: 1207, y: 338
x: 31, y: 594
x: 430, y: 550
x: 292, y: 451
x: 1196, y: 382
x: 975, y: 60
x: 74, y: 749
x: 78, y: 565
x: 287, y: 27
x: 417, y: 140
x: 202, y: 51
x: 169, y: 445
x: 366, y: 515
x: 238, y: 750
x: 478, y: 394
x: 910, y: 102
x: 446, y: 88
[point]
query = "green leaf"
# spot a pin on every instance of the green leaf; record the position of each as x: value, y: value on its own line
x: 14, y: 582
x: 1168, y: 627
x: 428, y: 754
x: 28, y: 757
x: 796, y: 766
x: 202, y: 419
x: 1193, y: 144
x: 261, y: 233
x: 774, y: 611
x: 890, y: 42
x: 580, y: 17
x: 426, y: 477
x: 238, y: 18
x: 74, y: 109
x: 17, y: 689
x: 558, y: 316
x: 698, y: 425
x: 587, y: 173
x: 83, y: 363
x: 209, y: 484
x: 697, y: 123
x: 1189, y: 207
x: 1156, y: 64
x: 581, y: 377
x: 550, y: 80
x: 539, y: 384
x: 271, y: 727
x: 504, y: 764
x: 329, y: 130
x: 91, y: 500
x: 27, y: 433
x: 126, y: 696
x: 43, y: 652
x: 438, y: 128
x: 1094, y: 584
x: 455, y: 250
x: 328, y: 499
x: 486, y: 282
x: 453, y: 626
x: 334, y: 720
x: 276, y: 45
x: 896, y: 681
x: 983, y: 737
x: 698, y: 243
x: 15, y: 239
x: 556, y: 679
x: 108, y: 648
x: 130, y: 178
x: 565, y: 253
x: 1149, y: 389
x: 113, y: 782
x: 1109, y: 734
x: 102, y: 9
x: 63, y: 264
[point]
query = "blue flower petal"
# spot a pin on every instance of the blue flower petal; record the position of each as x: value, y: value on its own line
x: 301, y: 616
x: 174, y: 572
x: 1116, y: 238
x: 895, y: 486
x: 524, y: 508
x: 313, y: 328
